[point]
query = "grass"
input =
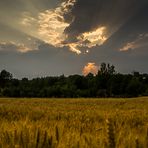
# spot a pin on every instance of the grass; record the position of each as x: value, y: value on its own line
x: 74, y: 123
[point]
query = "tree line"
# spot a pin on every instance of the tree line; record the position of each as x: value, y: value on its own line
x: 107, y: 83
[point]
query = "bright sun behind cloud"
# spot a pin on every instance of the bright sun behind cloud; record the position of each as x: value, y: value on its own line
x: 90, y: 68
x: 51, y: 29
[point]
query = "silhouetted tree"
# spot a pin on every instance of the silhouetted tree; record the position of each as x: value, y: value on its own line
x: 134, y: 87
x: 107, y: 83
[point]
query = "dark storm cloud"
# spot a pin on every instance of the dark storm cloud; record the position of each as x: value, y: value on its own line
x: 125, y: 20
x: 89, y: 14
x: 130, y: 31
x: 44, y: 62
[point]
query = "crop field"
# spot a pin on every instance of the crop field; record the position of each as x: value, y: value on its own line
x: 74, y: 123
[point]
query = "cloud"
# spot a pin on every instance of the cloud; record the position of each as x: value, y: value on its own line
x: 12, y: 46
x: 89, y: 15
x: 50, y: 27
x: 27, y: 20
x: 47, y: 61
x: 90, y: 68
x: 97, y: 28
x: 80, y: 24
x: 54, y: 23
x: 129, y: 46
x: 140, y: 42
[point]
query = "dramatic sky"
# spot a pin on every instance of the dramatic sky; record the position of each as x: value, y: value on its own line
x: 54, y: 37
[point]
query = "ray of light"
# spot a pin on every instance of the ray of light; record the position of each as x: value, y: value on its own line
x: 49, y: 26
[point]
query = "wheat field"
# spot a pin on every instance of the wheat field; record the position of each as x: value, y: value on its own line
x: 74, y: 123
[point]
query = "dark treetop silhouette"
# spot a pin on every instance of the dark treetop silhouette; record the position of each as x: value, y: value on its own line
x: 107, y: 83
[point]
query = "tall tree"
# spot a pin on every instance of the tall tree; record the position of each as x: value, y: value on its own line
x: 5, y: 77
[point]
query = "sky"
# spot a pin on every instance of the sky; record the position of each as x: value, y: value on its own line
x: 41, y: 38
